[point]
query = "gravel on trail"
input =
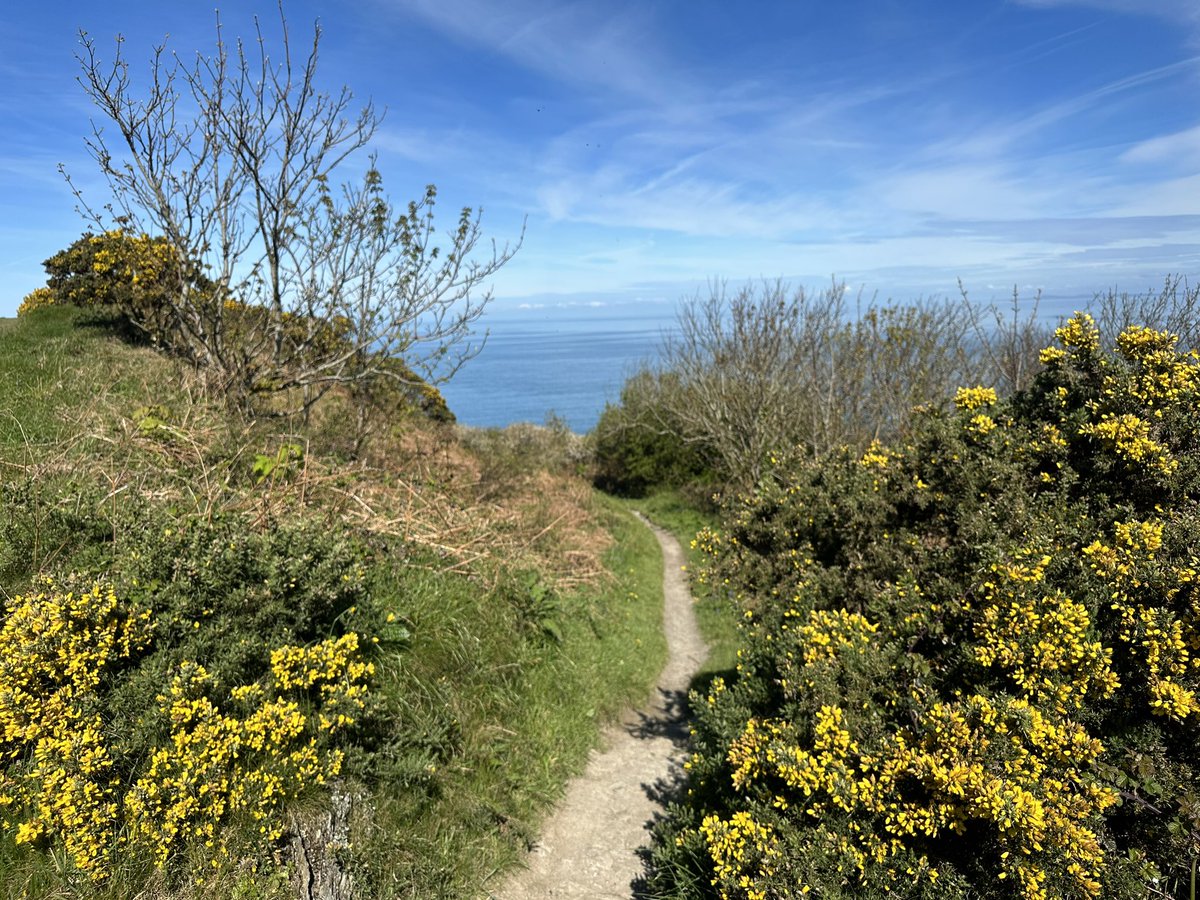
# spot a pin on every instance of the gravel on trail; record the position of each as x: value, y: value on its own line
x: 589, y: 848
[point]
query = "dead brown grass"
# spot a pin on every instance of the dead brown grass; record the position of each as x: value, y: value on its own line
x: 478, y: 507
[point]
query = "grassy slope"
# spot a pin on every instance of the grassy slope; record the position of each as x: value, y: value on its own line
x: 497, y: 707
x: 529, y: 713
x: 58, y: 368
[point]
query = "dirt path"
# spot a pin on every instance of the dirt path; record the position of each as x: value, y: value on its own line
x: 588, y: 848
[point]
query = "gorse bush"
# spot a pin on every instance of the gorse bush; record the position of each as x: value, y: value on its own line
x: 38, y: 298
x: 133, y: 274
x: 969, y: 663
x: 57, y: 783
x: 172, y: 712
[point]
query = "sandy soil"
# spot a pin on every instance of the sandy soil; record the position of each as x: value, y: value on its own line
x: 589, y: 847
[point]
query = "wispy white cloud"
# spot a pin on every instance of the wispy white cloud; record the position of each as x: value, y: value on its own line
x: 1182, y: 13
x: 584, y: 43
x: 1176, y: 10
x: 1178, y: 150
x: 1171, y: 197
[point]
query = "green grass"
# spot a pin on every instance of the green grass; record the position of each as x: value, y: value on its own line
x: 520, y: 714
x: 62, y: 367
x: 717, y: 619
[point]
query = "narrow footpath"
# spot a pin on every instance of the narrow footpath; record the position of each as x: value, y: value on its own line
x: 589, y: 847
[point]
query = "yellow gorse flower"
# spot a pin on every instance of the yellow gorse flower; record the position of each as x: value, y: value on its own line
x: 58, y: 781
x: 974, y: 397
x: 55, y: 646
x: 1079, y: 333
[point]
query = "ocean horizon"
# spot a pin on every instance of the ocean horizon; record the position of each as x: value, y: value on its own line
x: 562, y: 361
x: 569, y: 360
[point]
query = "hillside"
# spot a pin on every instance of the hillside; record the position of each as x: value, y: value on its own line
x: 230, y: 643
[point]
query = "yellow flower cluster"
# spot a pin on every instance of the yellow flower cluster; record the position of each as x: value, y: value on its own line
x: 137, y: 260
x: 876, y: 457
x: 221, y: 767
x: 333, y: 667
x: 74, y: 799
x: 977, y: 762
x: 1161, y: 376
x: 1004, y: 763
x: 829, y: 632
x: 1155, y: 378
x: 981, y: 424
x: 37, y: 299
x: 975, y: 397
x: 1041, y: 638
x: 1018, y: 768
x: 1165, y: 638
x: 1049, y: 356
x: 1129, y: 436
x: 1079, y: 334
x: 55, y: 646
x: 742, y: 852
x: 58, y: 780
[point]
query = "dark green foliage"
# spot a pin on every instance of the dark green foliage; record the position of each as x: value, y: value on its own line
x: 992, y: 512
x: 40, y: 533
x: 206, y: 581
x: 413, y: 390
x: 637, y: 447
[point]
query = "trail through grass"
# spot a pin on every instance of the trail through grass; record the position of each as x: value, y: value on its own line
x: 508, y: 649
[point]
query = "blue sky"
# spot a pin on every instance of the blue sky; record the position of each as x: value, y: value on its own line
x: 650, y: 146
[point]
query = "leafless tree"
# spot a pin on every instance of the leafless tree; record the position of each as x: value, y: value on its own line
x: 1007, y: 341
x: 769, y: 367
x: 287, y: 285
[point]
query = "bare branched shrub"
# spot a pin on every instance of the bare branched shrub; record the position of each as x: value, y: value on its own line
x: 1006, y: 341
x: 769, y: 367
x: 738, y: 375
x: 1175, y: 308
x: 284, y: 284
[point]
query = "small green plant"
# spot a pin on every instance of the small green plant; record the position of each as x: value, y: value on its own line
x: 281, y: 466
x: 536, y: 605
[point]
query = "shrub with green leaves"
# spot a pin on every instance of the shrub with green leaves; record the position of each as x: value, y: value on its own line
x: 171, y: 710
x: 637, y: 447
x: 969, y: 661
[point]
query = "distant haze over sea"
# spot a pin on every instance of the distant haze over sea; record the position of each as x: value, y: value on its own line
x: 567, y: 360
x: 570, y: 359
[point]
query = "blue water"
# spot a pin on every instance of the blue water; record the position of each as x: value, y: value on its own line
x: 571, y: 359
x: 568, y: 361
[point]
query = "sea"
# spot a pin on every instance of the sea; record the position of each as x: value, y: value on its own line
x: 568, y: 360
x: 561, y: 361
